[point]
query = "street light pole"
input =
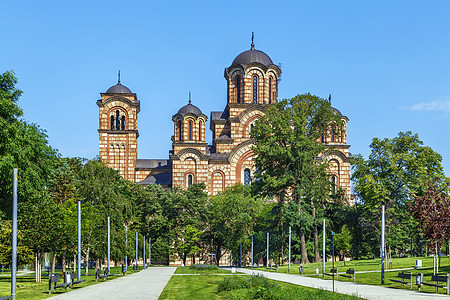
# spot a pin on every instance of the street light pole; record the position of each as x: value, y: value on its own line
x: 79, y: 241
x: 149, y: 251
x: 109, y: 247
x: 267, y: 263
x: 136, y: 249
x: 332, y: 235
x: 240, y: 255
x: 289, y: 268
x: 143, y: 257
x: 252, y: 251
x: 126, y: 247
x: 323, y: 250
x: 382, y: 244
x: 14, y: 237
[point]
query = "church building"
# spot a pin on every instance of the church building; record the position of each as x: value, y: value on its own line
x: 252, y: 86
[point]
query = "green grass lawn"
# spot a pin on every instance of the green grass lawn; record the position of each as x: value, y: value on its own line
x: 361, y: 265
x: 207, y: 287
x: 375, y: 265
x: 29, y: 289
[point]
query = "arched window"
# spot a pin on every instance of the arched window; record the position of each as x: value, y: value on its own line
x: 117, y: 120
x: 255, y: 89
x: 123, y: 123
x: 270, y: 90
x: 332, y: 133
x: 180, y: 131
x: 333, y: 184
x: 251, y: 127
x: 190, y: 180
x: 247, y: 176
x: 323, y: 138
x: 238, y: 89
x: 190, y: 130
x: 200, y: 125
x: 112, y: 122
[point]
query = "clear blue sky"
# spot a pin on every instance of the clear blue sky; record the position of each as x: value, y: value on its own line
x: 386, y: 63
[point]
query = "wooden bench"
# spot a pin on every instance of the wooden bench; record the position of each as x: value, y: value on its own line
x: 273, y: 267
x: 335, y: 271
x: 350, y: 273
x: 74, y: 278
x: 54, y: 278
x: 438, y: 278
x: 406, y: 278
x: 6, y: 298
x: 135, y: 268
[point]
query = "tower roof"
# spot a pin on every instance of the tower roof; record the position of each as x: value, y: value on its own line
x: 119, y: 89
x: 253, y: 56
x: 190, y: 109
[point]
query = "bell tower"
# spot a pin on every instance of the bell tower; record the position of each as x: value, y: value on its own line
x: 118, y: 133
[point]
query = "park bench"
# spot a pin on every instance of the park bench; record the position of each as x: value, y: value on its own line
x: 335, y: 271
x: 406, y: 278
x: 273, y: 267
x: 55, y: 278
x: 437, y: 278
x: 74, y: 278
x: 98, y: 274
x: 6, y: 298
x: 136, y: 268
x: 350, y: 273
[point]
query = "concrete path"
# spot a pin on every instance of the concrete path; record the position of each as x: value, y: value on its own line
x: 354, y: 289
x: 146, y: 284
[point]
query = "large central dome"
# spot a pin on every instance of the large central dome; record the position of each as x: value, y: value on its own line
x: 253, y: 56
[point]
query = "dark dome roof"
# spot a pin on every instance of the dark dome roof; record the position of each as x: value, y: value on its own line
x: 190, y: 109
x: 118, y: 89
x: 251, y: 56
x: 336, y: 111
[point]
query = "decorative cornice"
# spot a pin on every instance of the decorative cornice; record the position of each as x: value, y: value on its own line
x: 238, y: 147
x: 189, y: 150
x: 331, y: 152
x: 102, y: 103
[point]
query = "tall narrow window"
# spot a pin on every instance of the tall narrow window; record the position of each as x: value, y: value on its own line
x: 123, y: 123
x: 200, y: 130
x: 333, y: 184
x: 238, y: 89
x: 190, y: 130
x: 255, y: 89
x: 190, y: 180
x: 332, y: 133
x: 270, y: 90
x: 247, y: 176
x: 180, y: 131
x: 112, y: 122
x: 323, y: 138
x: 117, y: 120
x: 251, y: 127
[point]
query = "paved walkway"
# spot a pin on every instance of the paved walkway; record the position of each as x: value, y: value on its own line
x: 361, y: 290
x: 146, y: 284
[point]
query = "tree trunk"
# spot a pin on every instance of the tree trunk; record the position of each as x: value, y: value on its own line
x: 304, y: 253
x: 96, y: 264
x: 86, y: 267
x: 193, y: 259
x: 316, y: 235
x: 343, y: 255
x: 36, y: 262
x: 64, y: 262
x: 53, y: 261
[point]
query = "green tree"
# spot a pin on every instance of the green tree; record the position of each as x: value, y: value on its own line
x: 396, y: 170
x: 23, y: 146
x: 287, y: 145
x: 343, y: 241
x: 232, y: 215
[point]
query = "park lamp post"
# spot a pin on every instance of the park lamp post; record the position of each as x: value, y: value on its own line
x: 382, y: 244
x: 332, y: 240
x: 289, y: 259
x: 240, y: 255
x: 267, y: 263
x: 323, y: 250
x: 14, y: 237
x: 109, y: 247
x: 149, y: 251
x: 143, y: 257
x: 126, y: 246
x: 252, y: 251
x: 136, y: 249
x: 79, y: 241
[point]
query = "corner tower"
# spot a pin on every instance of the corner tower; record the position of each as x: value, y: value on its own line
x: 119, y: 108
